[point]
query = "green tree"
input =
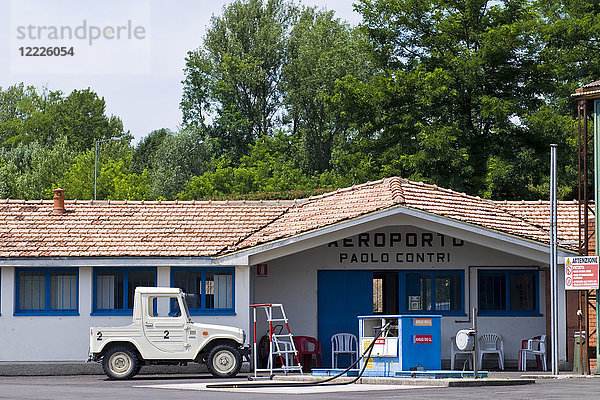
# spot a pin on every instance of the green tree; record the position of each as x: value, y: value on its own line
x: 28, y: 115
x: 570, y: 30
x: 29, y: 171
x: 78, y: 180
x: 234, y: 76
x: 115, y: 180
x: 81, y: 117
x: 266, y: 172
x: 321, y: 51
x: 147, y: 149
x: 458, y: 82
x: 177, y: 159
x: 43, y: 133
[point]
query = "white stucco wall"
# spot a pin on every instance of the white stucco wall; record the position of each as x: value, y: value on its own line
x: 65, y: 338
x: 292, y: 280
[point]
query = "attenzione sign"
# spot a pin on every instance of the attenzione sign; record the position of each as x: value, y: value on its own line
x: 581, y: 273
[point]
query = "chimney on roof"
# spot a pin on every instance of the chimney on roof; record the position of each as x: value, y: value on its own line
x: 59, y: 202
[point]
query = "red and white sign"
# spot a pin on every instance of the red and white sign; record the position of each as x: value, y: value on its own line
x: 261, y: 270
x: 422, y: 339
x: 581, y: 273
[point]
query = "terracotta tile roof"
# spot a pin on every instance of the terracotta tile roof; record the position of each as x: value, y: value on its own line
x: 327, y: 209
x: 343, y: 204
x: 470, y: 209
x: 112, y: 228
x: 592, y: 84
x: 538, y: 213
x: 591, y: 91
x: 182, y: 229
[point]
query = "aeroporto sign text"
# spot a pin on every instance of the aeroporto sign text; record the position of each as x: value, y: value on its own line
x: 413, y: 244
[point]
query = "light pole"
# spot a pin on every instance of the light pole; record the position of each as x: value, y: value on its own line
x: 553, y: 263
x: 96, y: 162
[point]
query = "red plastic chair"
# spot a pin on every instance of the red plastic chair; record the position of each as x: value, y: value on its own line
x: 307, y: 348
x: 538, y: 359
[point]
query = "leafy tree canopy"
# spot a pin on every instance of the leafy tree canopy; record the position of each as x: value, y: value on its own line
x: 282, y: 100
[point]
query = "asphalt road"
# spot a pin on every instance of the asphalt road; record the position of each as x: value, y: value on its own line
x: 98, y: 387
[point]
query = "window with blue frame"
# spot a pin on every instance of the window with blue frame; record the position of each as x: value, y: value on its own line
x: 114, y: 288
x: 508, y: 292
x: 46, y: 291
x: 209, y: 290
x: 434, y: 292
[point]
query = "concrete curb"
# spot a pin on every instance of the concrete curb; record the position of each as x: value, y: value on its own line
x: 49, y: 368
x: 62, y: 368
x: 489, y: 382
x: 565, y: 376
x: 467, y: 382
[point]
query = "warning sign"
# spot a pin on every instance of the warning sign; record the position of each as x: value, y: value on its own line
x: 581, y: 273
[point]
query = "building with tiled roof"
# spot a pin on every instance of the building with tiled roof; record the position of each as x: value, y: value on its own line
x: 365, y: 249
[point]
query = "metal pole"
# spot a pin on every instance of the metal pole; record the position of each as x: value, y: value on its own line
x: 581, y: 332
x: 586, y: 195
x: 586, y: 319
x: 96, y: 170
x: 553, y: 261
x: 475, y: 347
x: 597, y: 210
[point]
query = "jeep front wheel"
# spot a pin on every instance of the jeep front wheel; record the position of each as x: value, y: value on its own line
x: 224, y: 361
x: 120, y: 362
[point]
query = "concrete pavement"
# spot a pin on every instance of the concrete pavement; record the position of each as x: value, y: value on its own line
x: 98, y: 387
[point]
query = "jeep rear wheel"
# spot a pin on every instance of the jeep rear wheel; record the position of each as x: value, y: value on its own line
x: 224, y: 361
x: 120, y: 362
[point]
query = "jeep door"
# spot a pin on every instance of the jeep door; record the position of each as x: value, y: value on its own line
x: 165, y: 326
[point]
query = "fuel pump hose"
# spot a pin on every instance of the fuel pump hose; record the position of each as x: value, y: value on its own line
x: 323, y: 382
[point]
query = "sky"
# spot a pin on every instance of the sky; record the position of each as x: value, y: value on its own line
x: 132, y: 53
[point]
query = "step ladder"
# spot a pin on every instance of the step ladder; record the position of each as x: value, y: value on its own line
x: 281, y: 344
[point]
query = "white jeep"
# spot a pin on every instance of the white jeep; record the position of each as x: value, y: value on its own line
x: 162, y: 332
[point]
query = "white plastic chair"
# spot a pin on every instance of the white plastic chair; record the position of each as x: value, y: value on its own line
x: 454, y: 351
x: 343, y: 343
x: 535, y: 347
x: 491, y: 343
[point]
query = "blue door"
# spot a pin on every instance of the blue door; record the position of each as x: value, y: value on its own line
x: 342, y: 296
